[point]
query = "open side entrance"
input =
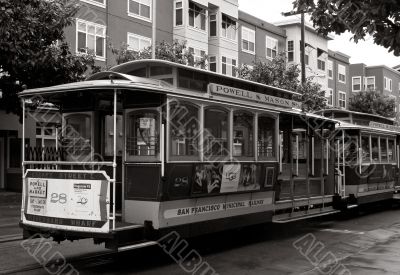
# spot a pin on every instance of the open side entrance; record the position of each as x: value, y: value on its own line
x: 305, y: 183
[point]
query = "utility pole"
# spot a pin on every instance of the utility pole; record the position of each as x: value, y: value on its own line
x: 154, y: 30
x: 302, y: 44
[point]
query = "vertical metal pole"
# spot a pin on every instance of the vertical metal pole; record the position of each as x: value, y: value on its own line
x: 23, y: 161
x: 297, y: 154
x: 313, y: 156
x: 344, y: 167
x: 115, y: 156
x: 327, y: 157
x: 162, y: 137
x: 303, y: 48
x: 154, y: 29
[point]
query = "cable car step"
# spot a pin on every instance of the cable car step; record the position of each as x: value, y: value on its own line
x: 136, y: 246
x: 286, y: 218
x: 351, y: 206
x: 396, y: 196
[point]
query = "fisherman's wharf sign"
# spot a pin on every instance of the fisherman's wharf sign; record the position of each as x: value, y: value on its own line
x: 252, y: 96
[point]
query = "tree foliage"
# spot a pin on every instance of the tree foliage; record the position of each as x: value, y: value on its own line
x: 379, y: 19
x: 278, y: 74
x: 373, y: 102
x: 175, y: 52
x: 32, y: 47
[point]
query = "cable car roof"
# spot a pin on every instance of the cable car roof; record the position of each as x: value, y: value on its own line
x: 136, y: 64
x: 103, y: 80
x: 349, y: 126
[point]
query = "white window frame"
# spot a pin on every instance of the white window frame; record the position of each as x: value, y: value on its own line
x: 352, y: 83
x: 213, y: 15
x: 141, y: 40
x: 196, y: 52
x: 366, y: 82
x: 98, y: 57
x: 251, y: 33
x: 292, y: 51
x: 182, y: 10
x: 330, y: 69
x: 138, y: 15
x: 342, y: 68
x: 230, y: 64
x: 197, y: 28
x: 388, y: 84
x: 96, y: 3
x: 212, y: 59
x: 324, y: 62
x: 341, y: 100
x: 236, y: 29
x: 329, y: 94
x: 266, y: 46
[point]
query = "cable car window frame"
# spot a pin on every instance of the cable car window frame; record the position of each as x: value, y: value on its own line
x: 253, y: 132
x: 145, y: 158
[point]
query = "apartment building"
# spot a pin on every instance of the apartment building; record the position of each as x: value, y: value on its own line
x: 338, y: 92
x: 316, y: 50
x: 258, y: 40
x: 378, y: 78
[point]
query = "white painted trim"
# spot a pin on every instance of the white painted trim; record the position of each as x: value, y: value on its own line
x: 140, y: 37
x: 97, y: 57
x: 345, y: 99
x: 95, y: 3
x: 338, y: 73
x: 139, y: 16
x: 253, y: 33
x: 266, y: 46
x: 352, y: 83
x: 366, y: 82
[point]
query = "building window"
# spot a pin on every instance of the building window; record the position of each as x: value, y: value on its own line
x: 388, y: 84
x: 178, y: 14
x: 213, y: 24
x: 329, y: 97
x: 248, y: 40
x: 330, y: 69
x: 197, y: 54
x: 140, y: 9
x: 272, y: 47
x: 91, y: 38
x: 197, y: 16
x: 290, y: 50
x: 342, y: 73
x: 137, y: 42
x: 213, y: 63
x: 342, y: 99
x: 228, y: 27
x: 356, y: 83
x: 369, y: 83
x: 321, y: 65
x: 228, y: 66
x: 46, y: 135
x: 100, y: 3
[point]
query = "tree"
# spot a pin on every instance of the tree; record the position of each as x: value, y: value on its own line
x: 176, y: 52
x: 373, y: 102
x: 278, y: 74
x: 379, y: 19
x: 33, y: 51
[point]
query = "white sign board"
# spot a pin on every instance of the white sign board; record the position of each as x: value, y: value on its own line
x: 74, y: 200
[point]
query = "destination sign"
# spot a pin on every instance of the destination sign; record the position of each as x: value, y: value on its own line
x: 374, y: 124
x: 252, y: 96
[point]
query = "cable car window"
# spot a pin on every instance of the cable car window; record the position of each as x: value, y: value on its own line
x: 266, y: 138
x: 243, y: 133
x: 351, y: 149
x: 143, y: 134
x: 77, y: 140
x: 391, y: 151
x: 384, y: 155
x: 375, y: 149
x: 365, y: 149
x: 184, y: 129
x: 216, y: 128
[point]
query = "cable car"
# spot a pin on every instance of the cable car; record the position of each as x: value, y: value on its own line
x: 152, y: 146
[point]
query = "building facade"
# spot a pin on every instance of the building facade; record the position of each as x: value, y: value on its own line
x: 375, y: 78
x: 338, y: 92
x: 316, y: 50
